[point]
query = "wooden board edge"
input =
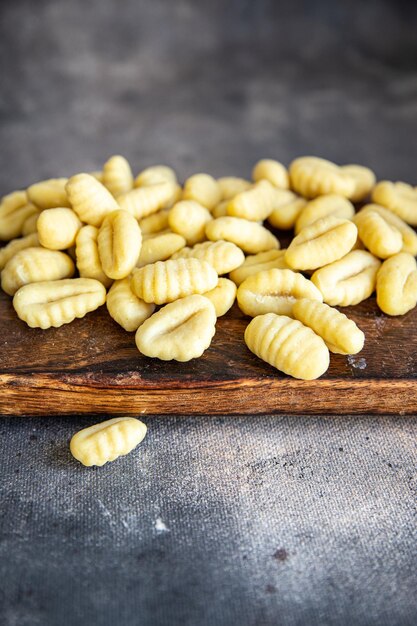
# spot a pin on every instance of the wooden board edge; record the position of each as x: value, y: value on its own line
x: 46, y: 395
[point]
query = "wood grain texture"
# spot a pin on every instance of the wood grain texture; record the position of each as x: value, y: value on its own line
x: 92, y: 366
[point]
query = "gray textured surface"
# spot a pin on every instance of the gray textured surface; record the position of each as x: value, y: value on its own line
x: 283, y: 520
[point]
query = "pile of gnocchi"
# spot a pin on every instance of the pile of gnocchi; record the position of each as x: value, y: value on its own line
x: 158, y: 255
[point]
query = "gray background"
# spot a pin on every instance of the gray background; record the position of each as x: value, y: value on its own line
x: 252, y: 521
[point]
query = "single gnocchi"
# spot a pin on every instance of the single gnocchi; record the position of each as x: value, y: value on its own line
x: 255, y: 204
x: 230, y: 186
x: 204, y: 189
x: 30, y: 225
x: 274, y: 291
x: 349, y: 280
x: 155, y: 174
x: 272, y: 171
x: 400, y: 198
x: 323, y: 206
x: 287, y: 208
x: 312, y: 177
x: 125, y: 307
x: 90, y: 199
x: 364, y: 178
x: 379, y: 236
x: 288, y: 345
x: 409, y: 236
x: 180, y: 331
x: 341, y: 334
x: 396, y: 284
x: 188, y: 219
x: 154, y: 223
x: 119, y: 243
x: 224, y: 256
x: 58, y: 228
x: 166, y: 281
x: 159, y: 247
x: 15, y: 209
x: 48, y: 194
x: 32, y: 265
x: 101, y: 443
x: 57, y: 302
x: 143, y: 201
x: 255, y: 263
x: 87, y: 255
x: 249, y: 236
x: 117, y: 175
x: 222, y: 296
x: 326, y: 240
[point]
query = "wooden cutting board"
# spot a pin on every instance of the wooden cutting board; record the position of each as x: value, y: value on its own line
x: 93, y: 366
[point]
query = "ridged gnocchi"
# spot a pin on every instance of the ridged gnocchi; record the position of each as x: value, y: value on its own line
x: 287, y: 345
x: 400, y: 198
x: 272, y: 171
x: 287, y: 208
x: 101, y: 443
x: 341, y: 334
x: 57, y: 302
x: 396, y: 284
x: 159, y: 247
x: 274, y: 291
x: 49, y: 194
x: 204, y: 189
x: 15, y: 208
x: 321, y: 243
x: 249, y: 236
x: 222, y: 296
x: 224, y: 256
x: 119, y: 242
x: 255, y: 263
x: 180, y: 331
x: 32, y: 265
x: 409, y: 235
x: 312, y: 177
x: 143, y: 201
x: 349, y: 280
x: 379, y: 236
x: 230, y: 186
x: 117, y: 175
x: 364, y: 181
x: 90, y: 199
x: 58, y: 228
x: 323, y: 206
x: 166, y: 281
x: 15, y: 246
x: 87, y: 255
x: 255, y: 204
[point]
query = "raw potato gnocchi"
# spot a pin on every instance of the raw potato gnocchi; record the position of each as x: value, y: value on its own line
x: 272, y: 171
x: 224, y: 256
x: 274, y: 291
x: 166, y: 281
x: 48, y: 194
x: 248, y: 236
x: 255, y: 204
x: 287, y: 345
x: 33, y: 265
x: 204, y: 189
x: 180, y: 331
x: 222, y: 296
x: 143, y: 201
x: 57, y: 228
x: 230, y: 186
x: 340, y: 334
x: 323, y: 206
x: 90, y: 199
x: 15, y: 246
x: 396, y: 284
x: 399, y: 198
x: 287, y: 208
x: 119, y: 242
x: 117, y: 175
x: 101, y: 443
x: 189, y: 218
x: 15, y: 209
x: 125, y: 307
x: 159, y: 247
x: 312, y: 177
x: 255, y: 263
x: 58, y: 302
x: 379, y: 236
x: 409, y: 236
x: 87, y: 256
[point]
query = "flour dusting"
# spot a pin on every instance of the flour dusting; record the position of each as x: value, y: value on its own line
x: 160, y: 526
x: 358, y: 364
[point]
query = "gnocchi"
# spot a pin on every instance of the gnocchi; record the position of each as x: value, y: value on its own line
x: 323, y: 206
x: 87, y: 255
x: 15, y: 246
x: 312, y: 177
x: 143, y: 201
x: 248, y: 236
x: 188, y: 219
x: 287, y: 208
x: 159, y: 247
x: 224, y: 256
x: 287, y: 345
x: 204, y: 189
x: 90, y: 199
x: 400, y: 198
x: 101, y: 443
x: 396, y: 284
x: 32, y: 265
x: 254, y: 204
x: 58, y: 228
x: 255, y: 263
x: 15, y: 209
x: 117, y: 175
x: 180, y: 331
x: 272, y: 171
x: 125, y: 307
x: 222, y: 296
x: 379, y: 236
x: 48, y: 194
x: 119, y: 242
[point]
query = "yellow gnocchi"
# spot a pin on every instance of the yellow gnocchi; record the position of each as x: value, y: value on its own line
x: 155, y: 174
x: 288, y: 345
x: 274, y: 291
x: 272, y: 171
x: 379, y: 236
x: 180, y: 331
x: 30, y: 225
x: 287, y: 208
x: 254, y: 204
x: 58, y: 228
x: 87, y: 255
x: 57, y: 302
x: 189, y: 218
x: 341, y: 334
x: 125, y: 307
x: 312, y: 177
x: 409, y: 236
x: 364, y: 178
x: 154, y: 223
x: 49, y: 194
x: 15, y: 209
x: 349, y: 280
x: 166, y: 281
x: 396, y: 284
x: 224, y: 256
x: 90, y: 199
x: 143, y: 201
x: 117, y: 175
x: 400, y: 198
x: 323, y: 206
x: 15, y: 246
x: 204, y: 189
x: 255, y: 263
x: 321, y: 243
x: 230, y: 186
x: 222, y: 296
x: 101, y: 443
x: 32, y: 265
x: 159, y: 247
x: 119, y: 244
x: 249, y: 236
